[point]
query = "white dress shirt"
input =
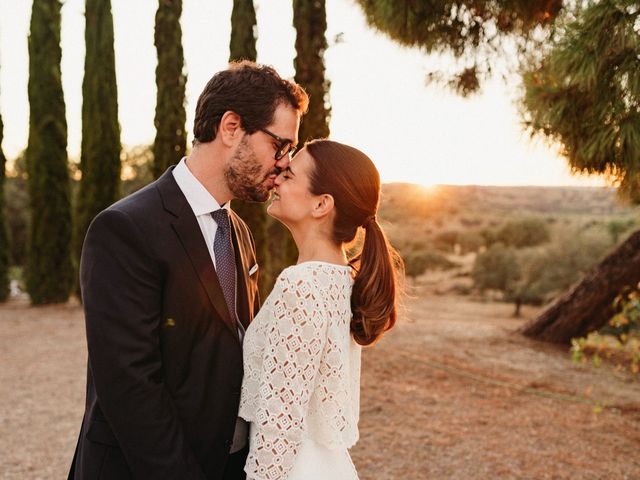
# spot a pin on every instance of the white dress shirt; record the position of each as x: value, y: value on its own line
x: 201, y: 202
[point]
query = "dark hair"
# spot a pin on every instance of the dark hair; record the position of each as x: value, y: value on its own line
x: 252, y: 91
x: 352, y: 179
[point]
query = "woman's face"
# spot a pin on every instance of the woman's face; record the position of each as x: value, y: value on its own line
x: 292, y: 202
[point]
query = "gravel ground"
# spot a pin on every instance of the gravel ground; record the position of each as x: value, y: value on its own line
x: 451, y: 393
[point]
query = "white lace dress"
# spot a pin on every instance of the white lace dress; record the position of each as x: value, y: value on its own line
x: 301, y: 387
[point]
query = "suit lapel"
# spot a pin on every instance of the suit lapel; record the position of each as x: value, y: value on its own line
x: 188, y: 231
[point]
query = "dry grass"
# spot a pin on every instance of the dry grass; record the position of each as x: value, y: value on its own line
x: 451, y: 393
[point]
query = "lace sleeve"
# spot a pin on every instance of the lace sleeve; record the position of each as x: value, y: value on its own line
x: 295, y: 340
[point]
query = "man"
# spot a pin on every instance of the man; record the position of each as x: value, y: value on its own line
x: 169, y: 283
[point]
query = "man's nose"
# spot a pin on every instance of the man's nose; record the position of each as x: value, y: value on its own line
x: 283, y: 162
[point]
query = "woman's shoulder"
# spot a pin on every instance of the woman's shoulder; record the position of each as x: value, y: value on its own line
x: 314, y: 270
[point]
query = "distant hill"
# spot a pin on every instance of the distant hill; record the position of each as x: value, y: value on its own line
x: 425, y: 202
x: 414, y: 215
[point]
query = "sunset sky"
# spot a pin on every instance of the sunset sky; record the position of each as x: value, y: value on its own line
x: 413, y: 132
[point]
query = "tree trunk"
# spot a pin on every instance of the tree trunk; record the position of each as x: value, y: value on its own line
x: 516, y: 313
x: 587, y: 306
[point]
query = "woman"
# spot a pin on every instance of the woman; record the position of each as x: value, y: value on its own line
x: 302, y: 351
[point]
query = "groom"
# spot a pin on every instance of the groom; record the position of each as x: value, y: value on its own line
x: 169, y: 284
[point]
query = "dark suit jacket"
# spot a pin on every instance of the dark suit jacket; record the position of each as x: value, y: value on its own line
x: 165, y: 360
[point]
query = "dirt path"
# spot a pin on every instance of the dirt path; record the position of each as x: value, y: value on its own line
x: 451, y: 393
x: 455, y: 394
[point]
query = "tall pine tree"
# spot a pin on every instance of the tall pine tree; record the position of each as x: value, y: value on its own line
x: 243, y: 47
x: 472, y: 31
x: 100, y: 148
x: 585, y: 95
x: 4, y: 228
x: 49, y: 271
x: 171, y: 140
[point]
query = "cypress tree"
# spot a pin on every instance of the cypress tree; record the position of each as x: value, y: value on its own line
x: 100, y: 148
x: 310, y: 21
x: 4, y: 229
x: 243, y: 31
x: 171, y: 138
x: 49, y: 270
x: 243, y: 47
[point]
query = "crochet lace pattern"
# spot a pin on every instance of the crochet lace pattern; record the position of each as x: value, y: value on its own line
x: 302, y: 369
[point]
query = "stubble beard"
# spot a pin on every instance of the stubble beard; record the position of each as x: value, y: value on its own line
x: 244, y: 175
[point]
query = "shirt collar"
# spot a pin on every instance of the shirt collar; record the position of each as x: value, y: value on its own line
x: 199, y: 199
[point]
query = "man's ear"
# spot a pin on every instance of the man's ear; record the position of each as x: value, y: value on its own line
x: 230, y: 129
x: 323, y: 206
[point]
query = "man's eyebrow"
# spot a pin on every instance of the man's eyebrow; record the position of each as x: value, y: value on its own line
x: 284, y: 140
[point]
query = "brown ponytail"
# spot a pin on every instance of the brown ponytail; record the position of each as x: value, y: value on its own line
x: 352, y: 179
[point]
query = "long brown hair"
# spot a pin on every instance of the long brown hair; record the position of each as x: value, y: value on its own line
x: 353, y: 181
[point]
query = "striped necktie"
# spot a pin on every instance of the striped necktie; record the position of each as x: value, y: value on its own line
x: 226, y: 264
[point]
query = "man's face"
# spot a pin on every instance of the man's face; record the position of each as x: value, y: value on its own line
x: 253, y: 168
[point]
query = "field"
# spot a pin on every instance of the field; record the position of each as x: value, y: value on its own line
x: 453, y: 392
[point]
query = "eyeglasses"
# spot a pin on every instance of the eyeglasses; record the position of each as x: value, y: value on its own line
x: 285, y: 146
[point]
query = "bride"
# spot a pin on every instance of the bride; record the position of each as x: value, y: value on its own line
x: 301, y: 389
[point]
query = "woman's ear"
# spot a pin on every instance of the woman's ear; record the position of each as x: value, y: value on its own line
x: 323, y: 206
x: 230, y: 129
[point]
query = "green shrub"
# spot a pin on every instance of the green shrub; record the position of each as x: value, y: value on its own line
x: 549, y: 270
x: 618, y: 341
x: 617, y: 228
x: 417, y: 263
x: 471, y: 241
x: 447, y: 240
x: 496, y: 269
x: 527, y: 232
